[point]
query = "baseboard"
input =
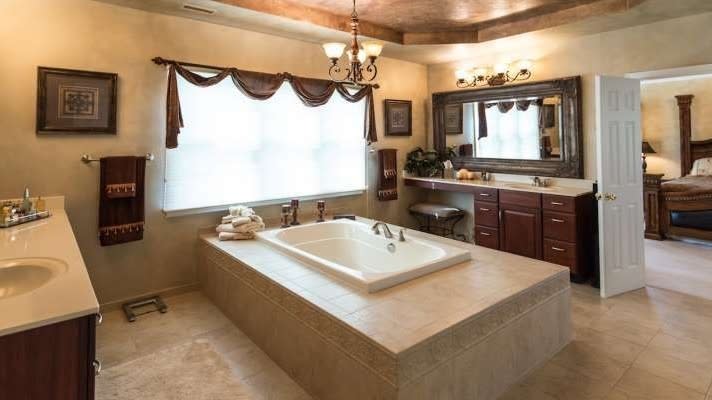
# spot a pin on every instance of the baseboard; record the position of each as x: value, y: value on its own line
x: 116, y: 304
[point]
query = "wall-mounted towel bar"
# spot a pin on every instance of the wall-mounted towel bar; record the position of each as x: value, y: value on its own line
x: 87, y: 158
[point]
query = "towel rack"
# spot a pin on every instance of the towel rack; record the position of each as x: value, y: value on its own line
x: 87, y: 158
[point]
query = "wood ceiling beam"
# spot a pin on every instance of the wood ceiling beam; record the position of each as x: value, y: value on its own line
x: 294, y: 11
x: 515, y: 24
x: 496, y: 30
x: 440, y: 37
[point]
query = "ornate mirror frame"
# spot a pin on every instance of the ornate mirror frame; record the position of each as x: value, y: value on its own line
x: 571, y: 163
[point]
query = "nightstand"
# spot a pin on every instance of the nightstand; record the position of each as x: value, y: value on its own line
x: 651, y: 205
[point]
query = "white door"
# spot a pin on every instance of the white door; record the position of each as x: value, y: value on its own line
x: 620, y: 185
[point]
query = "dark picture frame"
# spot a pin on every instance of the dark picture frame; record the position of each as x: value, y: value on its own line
x: 453, y: 119
x: 75, y: 101
x: 399, y: 117
x: 548, y: 115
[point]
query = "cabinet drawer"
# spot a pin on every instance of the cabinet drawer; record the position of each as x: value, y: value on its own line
x: 522, y: 199
x: 559, y: 226
x: 487, y: 237
x: 559, y: 203
x: 561, y: 253
x: 487, y: 214
x: 486, y: 194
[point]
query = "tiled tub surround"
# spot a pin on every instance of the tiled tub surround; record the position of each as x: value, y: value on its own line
x: 468, y: 331
x: 350, y: 251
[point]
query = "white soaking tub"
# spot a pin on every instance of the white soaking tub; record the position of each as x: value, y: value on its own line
x: 351, y: 251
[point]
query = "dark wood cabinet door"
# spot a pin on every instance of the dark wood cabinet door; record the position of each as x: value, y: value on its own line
x: 520, y: 231
x: 53, y: 362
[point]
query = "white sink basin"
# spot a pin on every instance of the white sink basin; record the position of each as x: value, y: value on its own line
x: 529, y: 187
x: 23, y: 275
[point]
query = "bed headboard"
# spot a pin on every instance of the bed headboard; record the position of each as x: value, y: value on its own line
x: 690, y: 150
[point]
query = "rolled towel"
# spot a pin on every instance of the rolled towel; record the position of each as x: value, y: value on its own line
x: 235, y: 236
x: 250, y: 227
x: 227, y: 219
x: 237, y: 221
x: 228, y: 228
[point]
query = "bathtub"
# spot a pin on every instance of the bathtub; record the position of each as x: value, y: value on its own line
x: 351, y: 251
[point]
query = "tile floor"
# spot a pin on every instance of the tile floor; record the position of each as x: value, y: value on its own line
x: 650, y: 344
x: 679, y: 266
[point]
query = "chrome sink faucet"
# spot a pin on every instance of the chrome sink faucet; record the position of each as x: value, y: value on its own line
x: 538, y: 182
x: 386, y: 230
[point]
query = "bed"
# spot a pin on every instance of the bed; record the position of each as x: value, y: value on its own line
x: 686, y: 202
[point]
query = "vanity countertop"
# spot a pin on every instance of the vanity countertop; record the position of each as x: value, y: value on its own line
x: 67, y: 295
x: 467, y: 185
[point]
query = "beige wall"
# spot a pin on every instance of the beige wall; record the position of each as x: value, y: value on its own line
x: 667, y: 44
x: 88, y: 35
x: 661, y: 125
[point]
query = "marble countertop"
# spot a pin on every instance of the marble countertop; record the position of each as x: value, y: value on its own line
x: 68, y: 295
x: 399, y: 318
x: 519, y: 186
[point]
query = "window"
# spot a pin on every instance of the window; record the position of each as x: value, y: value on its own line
x: 513, y: 134
x: 237, y: 150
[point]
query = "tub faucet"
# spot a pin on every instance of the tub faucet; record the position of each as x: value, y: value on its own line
x: 386, y: 230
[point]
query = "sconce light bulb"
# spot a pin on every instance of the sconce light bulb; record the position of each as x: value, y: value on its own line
x: 501, y: 68
x: 525, y: 65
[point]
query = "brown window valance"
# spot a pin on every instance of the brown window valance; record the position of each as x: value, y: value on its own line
x: 261, y: 86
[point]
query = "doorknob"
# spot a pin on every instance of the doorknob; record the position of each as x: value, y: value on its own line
x: 605, y: 196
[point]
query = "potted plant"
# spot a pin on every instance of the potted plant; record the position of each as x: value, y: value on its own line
x: 428, y: 163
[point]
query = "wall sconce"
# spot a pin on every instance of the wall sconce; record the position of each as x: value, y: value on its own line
x: 500, y: 75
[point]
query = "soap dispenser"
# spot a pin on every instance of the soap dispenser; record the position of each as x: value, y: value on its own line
x: 26, y: 204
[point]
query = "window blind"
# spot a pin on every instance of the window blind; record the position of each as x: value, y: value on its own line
x: 238, y: 150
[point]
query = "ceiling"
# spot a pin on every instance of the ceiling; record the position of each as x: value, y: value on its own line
x: 425, y: 31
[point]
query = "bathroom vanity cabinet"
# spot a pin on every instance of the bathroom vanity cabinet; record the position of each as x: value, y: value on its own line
x: 55, y: 362
x: 553, y: 228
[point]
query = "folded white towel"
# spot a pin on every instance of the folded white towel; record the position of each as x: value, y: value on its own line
x: 249, y: 227
x: 228, y: 228
x: 235, y: 236
x: 237, y: 221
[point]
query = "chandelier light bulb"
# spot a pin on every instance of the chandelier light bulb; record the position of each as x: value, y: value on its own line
x: 362, y: 56
x: 372, y: 48
x: 334, y: 50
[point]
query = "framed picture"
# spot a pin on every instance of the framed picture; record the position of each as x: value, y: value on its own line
x: 399, y: 117
x: 453, y: 119
x: 548, y: 115
x: 71, y: 101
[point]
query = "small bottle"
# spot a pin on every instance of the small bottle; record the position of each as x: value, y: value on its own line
x: 26, y: 204
x: 40, y: 205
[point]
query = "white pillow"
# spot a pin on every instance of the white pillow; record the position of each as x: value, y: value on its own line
x: 702, y: 167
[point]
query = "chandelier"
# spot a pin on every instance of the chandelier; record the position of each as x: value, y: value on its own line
x: 357, y: 71
x: 499, y: 76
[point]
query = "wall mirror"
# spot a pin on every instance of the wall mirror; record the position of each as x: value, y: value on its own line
x: 531, y: 129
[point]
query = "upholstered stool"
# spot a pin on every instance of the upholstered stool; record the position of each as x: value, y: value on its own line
x: 438, y: 219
